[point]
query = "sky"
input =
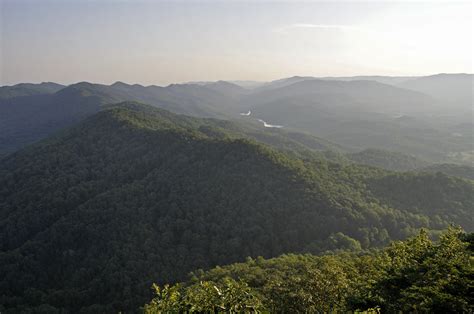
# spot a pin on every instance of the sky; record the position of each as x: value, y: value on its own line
x: 163, y: 42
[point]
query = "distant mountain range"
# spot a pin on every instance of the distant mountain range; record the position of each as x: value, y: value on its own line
x: 428, y: 117
x: 28, y: 89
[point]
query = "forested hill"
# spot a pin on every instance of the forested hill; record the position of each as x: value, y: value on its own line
x: 387, y: 160
x: 31, y: 112
x: 462, y: 171
x: 350, y: 112
x: 91, y: 217
x: 401, y: 162
x: 393, y: 280
x: 27, y: 89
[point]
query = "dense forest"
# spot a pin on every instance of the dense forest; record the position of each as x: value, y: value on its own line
x: 207, y: 156
x: 135, y: 195
x: 387, y: 160
x: 416, y: 275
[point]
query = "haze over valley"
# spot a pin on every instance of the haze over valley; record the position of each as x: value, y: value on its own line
x: 409, y: 116
x: 260, y: 158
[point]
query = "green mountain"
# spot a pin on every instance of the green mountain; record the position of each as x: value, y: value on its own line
x: 134, y: 195
x: 462, y: 171
x: 387, y: 160
x: 34, y: 116
x: 25, y: 120
x: 356, y: 113
x: 400, y: 162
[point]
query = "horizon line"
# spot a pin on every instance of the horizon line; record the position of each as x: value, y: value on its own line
x: 198, y: 82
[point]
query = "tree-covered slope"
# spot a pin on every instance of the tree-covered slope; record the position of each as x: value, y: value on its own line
x: 31, y: 112
x: 25, y: 120
x: 133, y: 195
x: 436, y: 194
x: 462, y: 171
x: 387, y: 160
x: 417, y: 275
x: 401, y: 162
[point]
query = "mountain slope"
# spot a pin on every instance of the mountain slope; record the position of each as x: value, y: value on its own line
x: 25, y: 120
x: 365, y: 94
x: 283, y: 82
x: 356, y: 114
x: 454, y: 88
x: 387, y: 160
x: 392, y: 280
x: 391, y: 80
x: 462, y: 171
x: 28, y: 89
x: 135, y: 195
x: 400, y: 162
x: 364, y: 114
x: 35, y: 115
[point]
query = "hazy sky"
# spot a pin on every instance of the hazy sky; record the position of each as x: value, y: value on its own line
x: 157, y: 42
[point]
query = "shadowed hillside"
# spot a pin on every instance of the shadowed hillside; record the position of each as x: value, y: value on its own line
x: 130, y: 193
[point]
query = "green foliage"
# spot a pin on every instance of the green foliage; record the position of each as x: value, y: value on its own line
x: 424, y: 276
x: 167, y: 300
x: 313, y: 289
x: 135, y: 195
x: 416, y: 275
x: 228, y: 296
x: 444, y: 197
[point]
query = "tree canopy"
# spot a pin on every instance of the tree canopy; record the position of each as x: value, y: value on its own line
x: 416, y: 275
x: 135, y: 195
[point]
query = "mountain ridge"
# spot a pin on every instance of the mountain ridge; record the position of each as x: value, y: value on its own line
x: 353, y: 114
x: 132, y: 191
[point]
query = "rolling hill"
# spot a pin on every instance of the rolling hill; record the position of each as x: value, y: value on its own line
x: 364, y: 114
x: 352, y: 113
x: 33, y: 116
x: 28, y: 89
x: 387, y: 160
x: 400, y: 162
x: 462, y: 171
x: 134, y: 195
x: 457, y: 89
x: 365, y: 95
